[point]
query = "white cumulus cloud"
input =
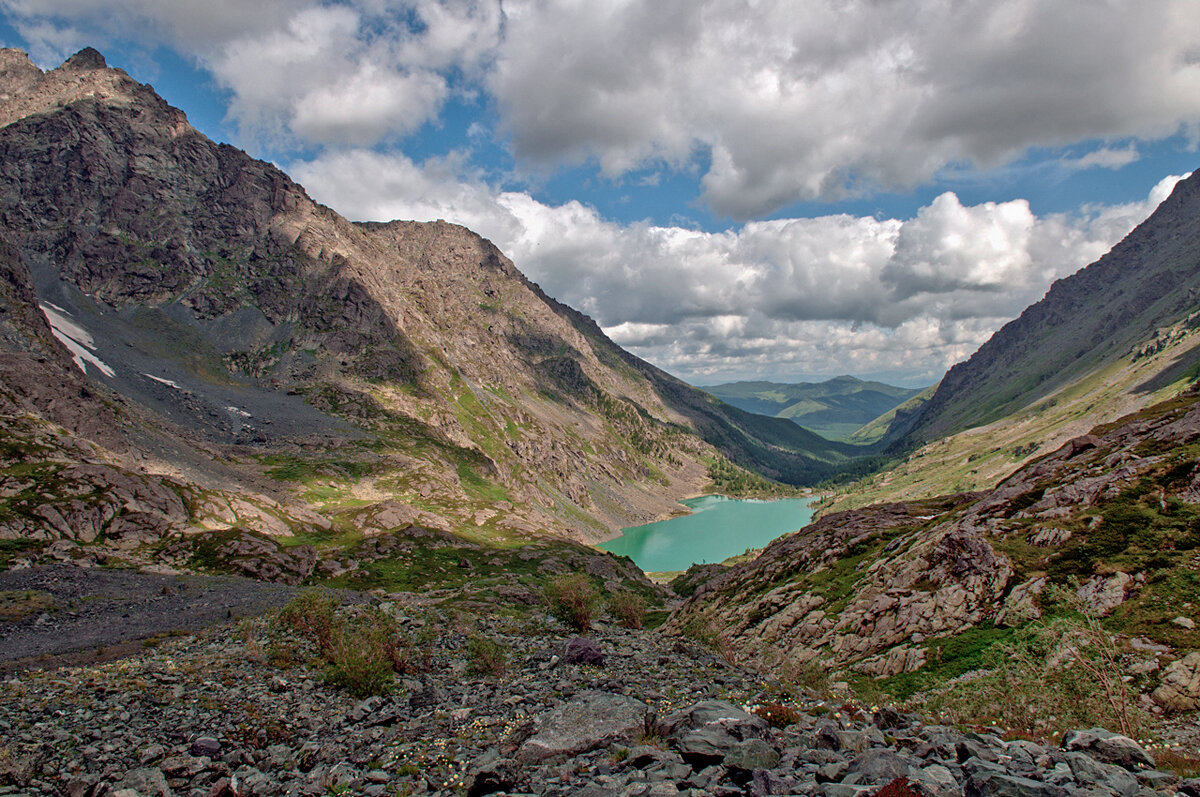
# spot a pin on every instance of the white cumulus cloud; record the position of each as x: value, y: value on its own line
x: 828, y: 98
x: 827, y: 295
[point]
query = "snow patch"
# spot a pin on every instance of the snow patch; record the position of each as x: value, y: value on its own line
x: 77, y: 339
x: 237, y: 411
x: 162, y: 381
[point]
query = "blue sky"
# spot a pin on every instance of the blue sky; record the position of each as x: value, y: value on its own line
x: 734, y: 189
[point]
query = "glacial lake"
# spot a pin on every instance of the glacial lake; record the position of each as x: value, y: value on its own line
x: 718, y: 528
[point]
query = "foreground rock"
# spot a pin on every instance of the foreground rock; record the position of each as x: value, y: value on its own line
x: 208, y: 716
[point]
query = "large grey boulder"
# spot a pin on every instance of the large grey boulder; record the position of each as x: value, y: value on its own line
x: 879, y: 766
x: 586, y: 723
x: 1091, y: 772
x: 710, y: 729
x: 1109, y: 747
x: 750, y: 755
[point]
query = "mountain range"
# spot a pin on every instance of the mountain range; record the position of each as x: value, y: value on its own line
x: 836, y: 408
x: 208, y: 325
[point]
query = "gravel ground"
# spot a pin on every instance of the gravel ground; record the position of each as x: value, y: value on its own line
x: 108, y: 610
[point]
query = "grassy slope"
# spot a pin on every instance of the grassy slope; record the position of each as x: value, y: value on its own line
x: 874, y: 431
x: 979, y: 458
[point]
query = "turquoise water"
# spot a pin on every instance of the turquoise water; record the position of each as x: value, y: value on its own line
x: 718, y: 528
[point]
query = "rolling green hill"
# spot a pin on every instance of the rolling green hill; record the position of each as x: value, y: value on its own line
x: 835, y: 409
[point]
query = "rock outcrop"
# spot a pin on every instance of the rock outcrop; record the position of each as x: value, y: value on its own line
x: 1101, y: 526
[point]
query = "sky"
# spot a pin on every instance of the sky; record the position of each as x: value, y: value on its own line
x: 786, y: 190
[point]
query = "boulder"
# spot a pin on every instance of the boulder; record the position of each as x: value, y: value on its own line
x: 879, y: 766
x: 1179, y: 689
x: 1103, y: 594
x: 581, y: 650
x: 707, y: 731
x: 1108, y: 747
x: 1091, y: 772
x: 750, y: 755
x: 986, y: 783
x: 148, y: 781
x: 1020, y: 605
x: 586, y: 723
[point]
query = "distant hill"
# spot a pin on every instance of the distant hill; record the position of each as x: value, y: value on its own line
x: 834, y: 409
x: 1109, y: 311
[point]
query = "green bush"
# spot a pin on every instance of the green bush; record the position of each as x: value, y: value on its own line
x: 361, y: 652
x: 628, y: 609
x: 312, y: 615
x: 574, y: 600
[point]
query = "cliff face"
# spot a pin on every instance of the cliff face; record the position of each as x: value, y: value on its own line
x: 1104, y: 312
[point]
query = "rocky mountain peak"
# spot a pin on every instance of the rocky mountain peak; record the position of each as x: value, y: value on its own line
x: 25, y: 90
x: 86, y: 60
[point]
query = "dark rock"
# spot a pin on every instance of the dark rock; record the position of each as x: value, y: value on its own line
x: 205, y: 746
x: 1088, y: 771
x: 750, y: 755
x: 763, y: 782
x: 843, y: 790
x: 581, y: 650
x: 1190, y: 787
x: 877, y: 766
x: 148, y: 781
x: 644, y: 756
x: 1109, y: 747
x: 986, y: 783
x: 827, y: 736
x: 424, y: 698
x: 983, y: 747
x: 706, y: 731
x: 1156, y: 779
x: 937, y: 781
x: 223, y: 787
x: 888, y: 718
x: 832, y: 772
x: 491, y: 773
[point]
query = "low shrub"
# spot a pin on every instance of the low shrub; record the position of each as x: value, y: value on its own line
x: 360, y: 652
x: 900, y: 787
x: 704, y: 633
x: 628, y: 609
x: 312, y: 615
x: 778, y: 715
x: 574, y: 600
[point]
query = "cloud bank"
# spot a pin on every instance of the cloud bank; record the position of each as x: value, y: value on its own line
x: 774, y: 101
x: 902, y: 299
